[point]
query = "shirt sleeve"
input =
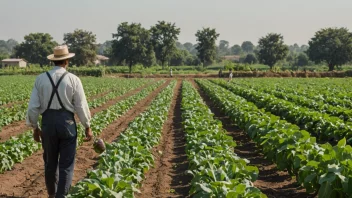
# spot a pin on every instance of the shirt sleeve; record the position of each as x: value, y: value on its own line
x: 81, y: 105
x: 33, y: 107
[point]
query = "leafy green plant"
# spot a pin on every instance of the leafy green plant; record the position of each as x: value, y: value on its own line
x: 217, y: 171
x: 320, y: 168
x: 122, y: 166
x: 18, y: 148
x: 322, y: 125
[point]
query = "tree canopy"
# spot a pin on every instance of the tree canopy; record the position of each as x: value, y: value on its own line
x: 206, y: 48
x: 224, y: 48
x: 272, y: 49
x: 236, y: 50
x: 132, y: 44
x: 331, y: 45
x: 163, y: 37
x: 302, y: 60
x: 83, y: 44
x: 247, y: 46
x: 250, y: 59
x: 35, y: 48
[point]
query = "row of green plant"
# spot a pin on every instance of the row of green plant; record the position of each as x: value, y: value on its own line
x: 15, y: 89
x: 299, y: 100
x: 122, y: 166
x: 334, y: 91
x: 217, y: 171
x: 116, y: 92
x: 18, y: 111
x: 320, y: 168
x: 16, y: 149
x: 322, y: 125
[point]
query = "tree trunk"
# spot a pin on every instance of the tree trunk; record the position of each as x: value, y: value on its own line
x: 331, y: 67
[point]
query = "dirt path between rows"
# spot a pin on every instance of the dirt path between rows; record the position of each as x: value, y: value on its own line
x: 168, y: 178
x: 20, y: 127
x: 271, y: 181
x: 27, y: 179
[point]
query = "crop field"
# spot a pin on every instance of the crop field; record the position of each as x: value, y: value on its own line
x: 261, y: 137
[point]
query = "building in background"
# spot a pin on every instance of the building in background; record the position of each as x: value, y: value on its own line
x: 235, y: 58
x: 14, y: 63
x: 101, y: 60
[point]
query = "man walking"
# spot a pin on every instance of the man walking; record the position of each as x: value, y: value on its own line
x: 57, y: 95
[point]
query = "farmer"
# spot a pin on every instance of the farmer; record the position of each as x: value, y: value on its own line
x: 170, y: 72
x: 230, y: 75
x: 57, y: 95
x: 220, y: 73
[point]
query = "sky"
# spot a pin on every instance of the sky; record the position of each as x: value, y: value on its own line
x: 236, y: 21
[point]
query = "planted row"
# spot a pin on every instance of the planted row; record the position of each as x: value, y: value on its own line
x: 321, y: 125
x: 329, y: 91
x: 18, y: 148
x: 217, y: 171
x: 17, y: 112
x: 324, y: 169
x: 318, y: 105
x: 122, y: 166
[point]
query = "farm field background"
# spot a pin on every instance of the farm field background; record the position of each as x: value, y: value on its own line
x: 253, y: 137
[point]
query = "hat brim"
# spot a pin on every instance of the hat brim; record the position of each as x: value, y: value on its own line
x: 53, y: 58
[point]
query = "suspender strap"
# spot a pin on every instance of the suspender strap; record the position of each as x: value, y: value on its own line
x: 55, y: 87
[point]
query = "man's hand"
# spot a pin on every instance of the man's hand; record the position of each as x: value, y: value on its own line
x: 37, y: 135
x: 89, y: 135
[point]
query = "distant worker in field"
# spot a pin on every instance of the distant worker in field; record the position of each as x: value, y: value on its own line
x: 57, y: 95
x: 220, y: 73
x: 230, y: 75
x: 170, y: 72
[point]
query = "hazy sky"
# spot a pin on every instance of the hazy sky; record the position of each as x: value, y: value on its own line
x: 235, y: 20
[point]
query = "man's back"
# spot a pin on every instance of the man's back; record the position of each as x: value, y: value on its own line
x: 70, y: 91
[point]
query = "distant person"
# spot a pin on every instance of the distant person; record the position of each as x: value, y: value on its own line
x: 170, y: 72
x: 230, y: 75
x: 220, y: 73
x: 57, y: 95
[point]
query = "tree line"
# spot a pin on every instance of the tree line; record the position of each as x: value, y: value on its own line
x: 133, y: 44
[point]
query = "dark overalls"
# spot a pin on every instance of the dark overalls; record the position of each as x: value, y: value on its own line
x: 59, y: 135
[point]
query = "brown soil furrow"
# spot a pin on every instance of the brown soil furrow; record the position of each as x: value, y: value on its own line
x: 27, y: 178
x: 19, y: 127
x: 271, y: 181
x: 168, y: 178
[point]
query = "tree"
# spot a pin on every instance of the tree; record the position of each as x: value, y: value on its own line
x: 250, y: 59
x: 83, y: 44
x: 132, y: 44
x: 332, y: 45
x: 164, y: 36
x: 181, y: 57
x: 304, y: 48
x: 224, y: 48
x: 302, y: 60
x: 272, y: 49
x: 188, y: 46
x: 102, y: 48
x: 247, y: 46
x: 236, y: 50
x: 206, y: 45
x: 35, y: 48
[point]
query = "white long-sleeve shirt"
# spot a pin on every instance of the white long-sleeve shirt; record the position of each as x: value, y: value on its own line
x: 70, y: 91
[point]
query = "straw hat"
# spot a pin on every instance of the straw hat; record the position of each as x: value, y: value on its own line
x: 60, y: 53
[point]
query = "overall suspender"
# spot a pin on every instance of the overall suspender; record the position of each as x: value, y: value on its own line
x: 55, y: 87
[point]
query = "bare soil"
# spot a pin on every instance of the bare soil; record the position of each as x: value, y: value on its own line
x: 271, y: 181
x: 27, y: 178
x: 167, y: 178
